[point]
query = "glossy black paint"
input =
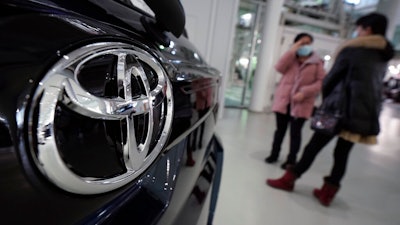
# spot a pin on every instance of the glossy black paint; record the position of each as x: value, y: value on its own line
x: 391, y: 89
x: 32, y: 37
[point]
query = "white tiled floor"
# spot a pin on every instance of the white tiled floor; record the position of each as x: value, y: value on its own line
x: 370, y: 193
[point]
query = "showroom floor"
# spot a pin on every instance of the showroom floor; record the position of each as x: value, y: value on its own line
x: 370, y: 193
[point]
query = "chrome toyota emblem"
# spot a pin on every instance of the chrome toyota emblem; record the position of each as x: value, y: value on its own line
x: 63, y: 87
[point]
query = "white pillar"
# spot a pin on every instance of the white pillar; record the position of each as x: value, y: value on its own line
x: 391, y: 10
x: 264, y: 79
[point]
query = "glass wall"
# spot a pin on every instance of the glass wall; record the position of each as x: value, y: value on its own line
x: 244, y: 59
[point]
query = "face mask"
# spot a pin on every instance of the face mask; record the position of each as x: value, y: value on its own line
x: 304, y: 50
x: 354, y: 34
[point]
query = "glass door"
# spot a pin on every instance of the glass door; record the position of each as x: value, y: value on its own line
x: 244, y: 59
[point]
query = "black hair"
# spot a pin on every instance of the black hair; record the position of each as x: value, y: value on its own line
x: 301, y: 35
x: 377, y: 22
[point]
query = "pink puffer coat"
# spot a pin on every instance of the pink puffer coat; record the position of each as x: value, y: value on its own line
x: 305, y: 78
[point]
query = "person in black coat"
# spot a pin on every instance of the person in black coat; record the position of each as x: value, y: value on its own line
x: 353, y: 86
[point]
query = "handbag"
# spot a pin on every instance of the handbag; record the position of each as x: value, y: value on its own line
x: 326, y: 122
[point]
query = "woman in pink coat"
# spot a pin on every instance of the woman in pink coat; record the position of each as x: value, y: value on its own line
x: 302, y: 74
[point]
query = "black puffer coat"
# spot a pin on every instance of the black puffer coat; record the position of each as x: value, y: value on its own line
x: 361, y: 63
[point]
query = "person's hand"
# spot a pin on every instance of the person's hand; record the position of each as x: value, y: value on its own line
x: 298, y: 97
x: 299, y: 43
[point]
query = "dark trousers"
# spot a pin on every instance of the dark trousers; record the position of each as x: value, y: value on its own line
x: 340, y: 156
x: 282, y: 122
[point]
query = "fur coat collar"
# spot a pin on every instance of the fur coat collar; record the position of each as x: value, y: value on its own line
x: 371, y: 41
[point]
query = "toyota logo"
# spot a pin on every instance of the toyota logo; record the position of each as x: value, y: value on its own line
x: 135, y: 96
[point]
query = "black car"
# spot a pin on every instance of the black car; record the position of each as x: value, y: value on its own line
x: 391, y: 89
x: 107, y: 115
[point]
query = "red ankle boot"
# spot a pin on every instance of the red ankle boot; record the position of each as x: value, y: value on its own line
x: 286, y: 182
x: 326, y: 194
